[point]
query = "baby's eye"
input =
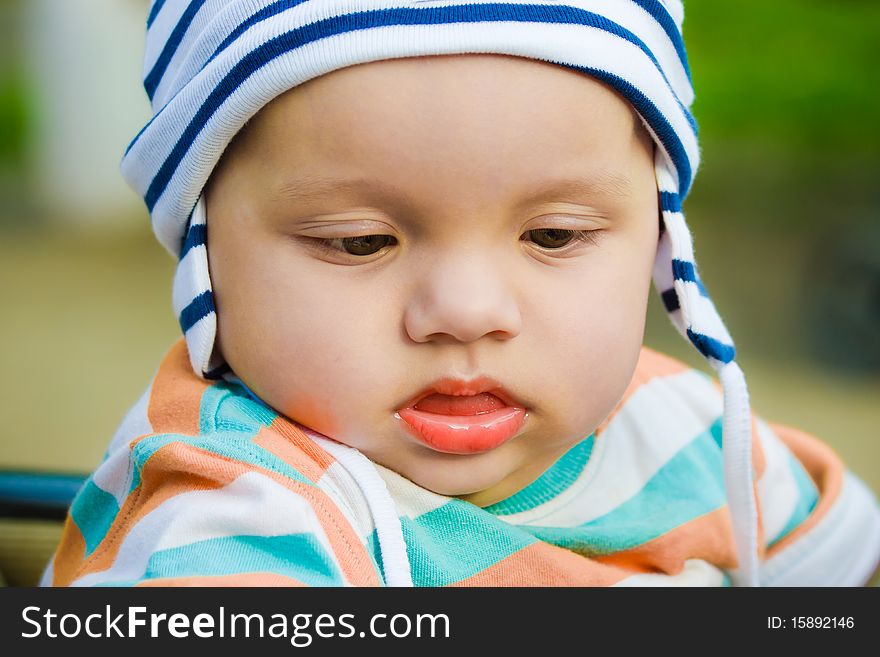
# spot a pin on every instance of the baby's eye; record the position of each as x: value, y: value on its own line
x: 362, y: 245
x: 558, y: 238
x: 551, y: 239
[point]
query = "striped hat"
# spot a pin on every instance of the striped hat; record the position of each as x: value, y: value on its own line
x: 210, y: 65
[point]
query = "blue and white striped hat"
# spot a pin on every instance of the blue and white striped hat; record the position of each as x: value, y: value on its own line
x: 210, y: 65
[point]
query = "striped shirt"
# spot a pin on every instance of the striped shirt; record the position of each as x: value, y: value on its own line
x: 204, y: 485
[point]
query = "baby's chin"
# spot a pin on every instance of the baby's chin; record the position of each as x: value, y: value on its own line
x: 475, y: 493
x: 482, y: 479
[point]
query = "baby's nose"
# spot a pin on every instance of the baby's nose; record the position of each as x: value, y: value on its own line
x: 463, y: 298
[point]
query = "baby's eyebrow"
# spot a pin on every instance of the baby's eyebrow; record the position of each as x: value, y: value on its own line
x: 603, y: 183
x: 308, y: 187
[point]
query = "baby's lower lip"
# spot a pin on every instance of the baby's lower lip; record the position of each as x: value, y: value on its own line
x: 464, y: 434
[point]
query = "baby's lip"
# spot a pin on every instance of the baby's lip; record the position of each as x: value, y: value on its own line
x: 488, y: 418
x: 456, y: 387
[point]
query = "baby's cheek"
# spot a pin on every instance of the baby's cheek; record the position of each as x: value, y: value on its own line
x: 592, y: 379
x: 312, y: 411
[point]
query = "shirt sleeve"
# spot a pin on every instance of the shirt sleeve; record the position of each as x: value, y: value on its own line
x: 192, y: 517
x: 821, y: 522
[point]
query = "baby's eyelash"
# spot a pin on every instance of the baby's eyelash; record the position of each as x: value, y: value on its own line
x: 579, y: 237
x: 588, y: 236
x: 325, y: 244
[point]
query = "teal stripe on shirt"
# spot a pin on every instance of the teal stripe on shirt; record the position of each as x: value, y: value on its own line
x: 688, y: 486
x: 300, y: 556
x: 808, y: 497
x: 225, y: 407
x: 456, y: 541
x: 555, y: 480
x: 374, y: 549
x: 93, y: 510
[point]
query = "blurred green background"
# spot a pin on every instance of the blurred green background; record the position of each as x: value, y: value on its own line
x: 785, y: 214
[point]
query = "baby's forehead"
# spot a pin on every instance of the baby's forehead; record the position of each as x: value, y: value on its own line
x: 485, y: 90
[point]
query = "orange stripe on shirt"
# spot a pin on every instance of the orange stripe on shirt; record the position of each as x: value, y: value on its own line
x: 824, y: 467
x: 175, y: 397
x: 69, y: 555
x: 543, y: 564
x: 708, y: 537
x: 237, y: 579
x: 294, y: 447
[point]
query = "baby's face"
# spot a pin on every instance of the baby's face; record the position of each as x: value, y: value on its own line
x: 392, y: 224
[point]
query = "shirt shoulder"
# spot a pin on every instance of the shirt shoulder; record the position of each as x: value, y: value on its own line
x: 822, y: 521
x: 202, y: 484
x: 818, y: 522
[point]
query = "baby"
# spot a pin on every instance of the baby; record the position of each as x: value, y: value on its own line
x: 416, y: 243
